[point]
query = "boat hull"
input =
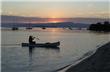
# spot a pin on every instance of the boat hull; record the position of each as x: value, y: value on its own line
x: 55, y: 44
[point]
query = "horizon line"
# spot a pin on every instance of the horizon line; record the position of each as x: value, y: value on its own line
x: 56, y: 17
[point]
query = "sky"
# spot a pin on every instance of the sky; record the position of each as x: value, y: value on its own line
x: 57, y: 9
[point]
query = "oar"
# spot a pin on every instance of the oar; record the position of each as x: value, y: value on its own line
x: 37, y: 38
x: 10, y: 44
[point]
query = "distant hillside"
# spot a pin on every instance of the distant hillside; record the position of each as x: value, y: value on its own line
x: 20, y: 19
x: 60, y: 24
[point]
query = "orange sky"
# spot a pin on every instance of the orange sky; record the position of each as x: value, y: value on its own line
x: 57, y: 9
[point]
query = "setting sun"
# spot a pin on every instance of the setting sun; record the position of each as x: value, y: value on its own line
x: 53, y: 30
x: 55, y: 20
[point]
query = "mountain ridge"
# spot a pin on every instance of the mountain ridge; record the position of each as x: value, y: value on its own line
x: 22, y: 19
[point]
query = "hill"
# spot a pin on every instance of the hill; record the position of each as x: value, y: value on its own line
x: 60, y: 24
x: 20, y: 19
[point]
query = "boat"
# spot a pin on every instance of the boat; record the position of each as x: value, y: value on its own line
x: 55, y: 44
x: 14, y: 28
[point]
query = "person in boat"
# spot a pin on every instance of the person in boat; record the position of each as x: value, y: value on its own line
x: 31, y: 40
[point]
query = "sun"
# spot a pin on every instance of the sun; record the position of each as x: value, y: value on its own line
x: 54, y: 20
x: 53, y: 30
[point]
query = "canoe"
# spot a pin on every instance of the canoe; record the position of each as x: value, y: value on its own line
x: 55, y: 44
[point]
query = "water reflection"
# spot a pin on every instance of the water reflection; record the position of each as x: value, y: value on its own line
x: 55, y: 49
x: 31, y: 49
x: 51, y: 52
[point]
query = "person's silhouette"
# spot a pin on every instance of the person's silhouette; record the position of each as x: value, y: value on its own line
x: 31, y: 40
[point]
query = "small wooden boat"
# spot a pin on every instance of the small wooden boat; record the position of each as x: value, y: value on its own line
x: 14, y: 28
x: 55, y: 44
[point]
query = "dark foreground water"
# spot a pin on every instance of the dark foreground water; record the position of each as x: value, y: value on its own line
x: 74, y: 44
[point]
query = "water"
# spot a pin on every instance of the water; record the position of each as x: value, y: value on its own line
x: 74, y: 44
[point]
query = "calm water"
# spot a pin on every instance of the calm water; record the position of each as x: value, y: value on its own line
x: 74, y: 44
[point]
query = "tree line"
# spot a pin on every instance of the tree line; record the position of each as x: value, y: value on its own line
x: 105, y: 26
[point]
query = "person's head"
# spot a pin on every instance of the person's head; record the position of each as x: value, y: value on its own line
x: 30, y: 36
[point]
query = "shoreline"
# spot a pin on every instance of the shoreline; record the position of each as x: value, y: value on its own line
x: 90, y: 63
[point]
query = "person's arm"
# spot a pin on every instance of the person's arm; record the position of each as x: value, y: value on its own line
x: 38, y: 38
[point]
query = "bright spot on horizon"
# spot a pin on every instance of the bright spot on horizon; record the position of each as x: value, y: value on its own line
x: 53, y: 30
x: 55, y: 20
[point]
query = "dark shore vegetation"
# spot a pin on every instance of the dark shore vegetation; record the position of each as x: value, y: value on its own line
x: 100, y: 27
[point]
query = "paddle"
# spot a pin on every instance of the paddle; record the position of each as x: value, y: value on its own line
x: 37, y: 38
